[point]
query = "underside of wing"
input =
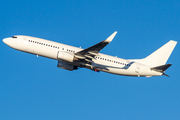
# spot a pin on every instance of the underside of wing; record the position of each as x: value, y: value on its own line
x: 94, y: 50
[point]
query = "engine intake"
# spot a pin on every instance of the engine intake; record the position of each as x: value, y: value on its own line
x: 65, y: 56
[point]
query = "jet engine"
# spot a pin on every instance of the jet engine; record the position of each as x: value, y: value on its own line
x: 65, y: 56
x: 66, y: 66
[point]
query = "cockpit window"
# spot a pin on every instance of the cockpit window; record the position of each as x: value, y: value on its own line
x: 14, y: 37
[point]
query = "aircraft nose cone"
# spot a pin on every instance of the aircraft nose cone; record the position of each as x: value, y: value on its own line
x: 5, y: 40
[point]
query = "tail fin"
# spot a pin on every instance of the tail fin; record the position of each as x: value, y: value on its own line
x: 160, y: 56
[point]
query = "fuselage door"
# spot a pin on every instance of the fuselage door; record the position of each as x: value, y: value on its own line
x: 29, y: 44
x: 137, y: 68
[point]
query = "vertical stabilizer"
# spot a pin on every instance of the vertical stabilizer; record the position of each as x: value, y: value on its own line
x: 160, y: 56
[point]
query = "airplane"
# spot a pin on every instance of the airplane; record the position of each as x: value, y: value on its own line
x: 71, y: 58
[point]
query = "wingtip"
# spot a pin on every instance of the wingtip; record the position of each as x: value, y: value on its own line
x: 115, y: 33
x: 173, y: 41
x: 110, y: 38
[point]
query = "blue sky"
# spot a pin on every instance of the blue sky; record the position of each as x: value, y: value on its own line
x: 34, y: 88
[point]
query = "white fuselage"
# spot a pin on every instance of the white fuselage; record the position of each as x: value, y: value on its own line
x: 102, y: 62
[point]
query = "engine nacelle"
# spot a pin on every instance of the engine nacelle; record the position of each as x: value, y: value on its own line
x: 65, y: 56
x: 66, y: 66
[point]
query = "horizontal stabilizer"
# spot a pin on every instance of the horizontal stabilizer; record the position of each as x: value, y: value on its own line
x: 161, y: 68
x: 165, y: 75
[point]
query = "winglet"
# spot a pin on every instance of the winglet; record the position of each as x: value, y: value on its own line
x: 110, y: 38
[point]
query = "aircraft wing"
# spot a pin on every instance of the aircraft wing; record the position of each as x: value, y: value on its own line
x: 94, y: 50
